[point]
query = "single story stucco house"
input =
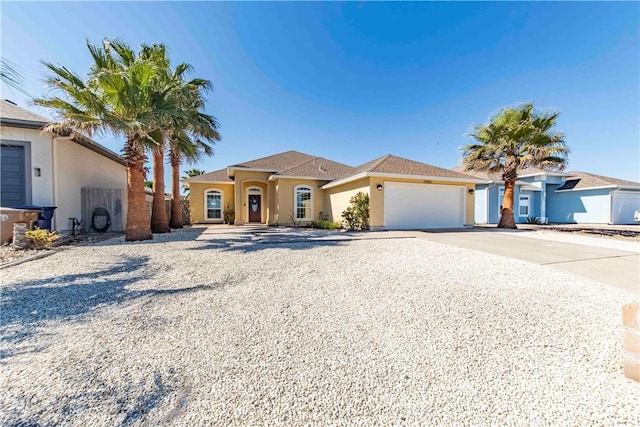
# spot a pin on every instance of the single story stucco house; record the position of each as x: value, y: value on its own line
x: 295, y: 187
x: 49, y: 169
x: 558, y: 197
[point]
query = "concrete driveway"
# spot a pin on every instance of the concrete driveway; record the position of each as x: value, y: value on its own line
x: 610, y: 266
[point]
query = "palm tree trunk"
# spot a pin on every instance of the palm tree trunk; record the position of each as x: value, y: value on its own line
x: 176, y: 202
x: 509, y: 175
x: 159, y: 220
x: 507, y: 219
x: 138, y: 227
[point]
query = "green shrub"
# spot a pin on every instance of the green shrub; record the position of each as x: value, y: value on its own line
x: 356, y: 216
x: 42, y: 238
x: 229, y: 215
x: 326, y: 224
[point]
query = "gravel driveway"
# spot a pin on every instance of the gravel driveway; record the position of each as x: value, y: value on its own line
x: 213, y: 327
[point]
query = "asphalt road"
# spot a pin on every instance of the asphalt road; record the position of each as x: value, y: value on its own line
x: 610, y: 266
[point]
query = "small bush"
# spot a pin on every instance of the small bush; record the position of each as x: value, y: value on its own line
x: 326, y: 224
x: 229, y: 215
x: 532, y: 220
x: 41, y: 238
x: 356, y: 216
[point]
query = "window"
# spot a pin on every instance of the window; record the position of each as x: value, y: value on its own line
x: 303, y: 202
x: 213, y: 207
x: 523, y: 206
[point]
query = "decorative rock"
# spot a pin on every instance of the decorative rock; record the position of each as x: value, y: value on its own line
x: 20, y: 240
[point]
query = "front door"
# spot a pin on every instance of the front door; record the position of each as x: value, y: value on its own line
x: 255, y: 208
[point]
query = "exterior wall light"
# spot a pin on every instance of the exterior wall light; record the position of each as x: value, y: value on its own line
x: 379, y: 187
x: 471, y: 191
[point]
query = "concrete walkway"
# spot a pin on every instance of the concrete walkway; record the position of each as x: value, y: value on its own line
x: 610, y: 266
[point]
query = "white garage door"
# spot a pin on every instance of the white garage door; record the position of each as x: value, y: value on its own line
x: 623, y: 205
x: 416, y: 206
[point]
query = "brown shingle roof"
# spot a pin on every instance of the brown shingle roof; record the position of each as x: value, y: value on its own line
x: 401, y: 166
x: 319, y: 168
x: 537, y: 171
x: 493, y: 176
x: 10, y: 111
x: 497, y: 176
x: 579, y: 180
x: 215, y: 176
x: 277, y: 162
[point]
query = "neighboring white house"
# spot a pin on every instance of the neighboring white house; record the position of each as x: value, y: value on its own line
x: 47, y: 169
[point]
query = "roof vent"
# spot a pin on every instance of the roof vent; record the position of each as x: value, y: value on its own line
x: 321, y: 169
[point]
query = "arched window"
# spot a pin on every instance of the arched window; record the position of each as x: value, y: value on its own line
x: 303, y: 202
x: 213, y: 204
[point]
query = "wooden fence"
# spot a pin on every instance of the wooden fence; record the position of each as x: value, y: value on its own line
x: 112, y: 199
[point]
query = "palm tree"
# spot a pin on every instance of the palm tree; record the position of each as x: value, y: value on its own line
x: 159, y: 218
x: 120, y: 95
x: 10, y: 76
x: 191, y: 138
x: 190, y: 174
x: 514, y: 139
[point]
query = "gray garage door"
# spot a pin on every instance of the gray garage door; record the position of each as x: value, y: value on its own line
x: 13, y: 178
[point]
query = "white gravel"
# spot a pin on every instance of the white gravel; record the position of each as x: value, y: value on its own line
x: 225, y: 330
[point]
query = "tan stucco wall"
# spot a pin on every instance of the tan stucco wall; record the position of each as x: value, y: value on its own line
x: 377, y: 199
x: 196, y: 200
x: 278, y: 197
x: 337, y: 198
x: 285, y: 199
x: 244, y: 180
x: 41, y: 156
x: 77, y: 168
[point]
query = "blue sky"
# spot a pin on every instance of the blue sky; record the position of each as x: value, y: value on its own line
x: 354, y: 81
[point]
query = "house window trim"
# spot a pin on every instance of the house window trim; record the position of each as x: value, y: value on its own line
x: 528, y: 205
x: 500, y: 200
x: 206, y: 207
x: 295, y: 201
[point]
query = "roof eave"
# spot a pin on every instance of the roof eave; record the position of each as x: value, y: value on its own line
x: 601, y: 187
x: 232, y: 169
x: 275, y: 177
x: 205, y: 182
x: 544, y: 173
x: 23, y: 124
x: 429, y: 177
x: 403, y: 176
x: 351, y: 178
x: 77, y: 138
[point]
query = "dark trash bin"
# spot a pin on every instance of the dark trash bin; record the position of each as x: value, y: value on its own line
x: 45, y: 217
